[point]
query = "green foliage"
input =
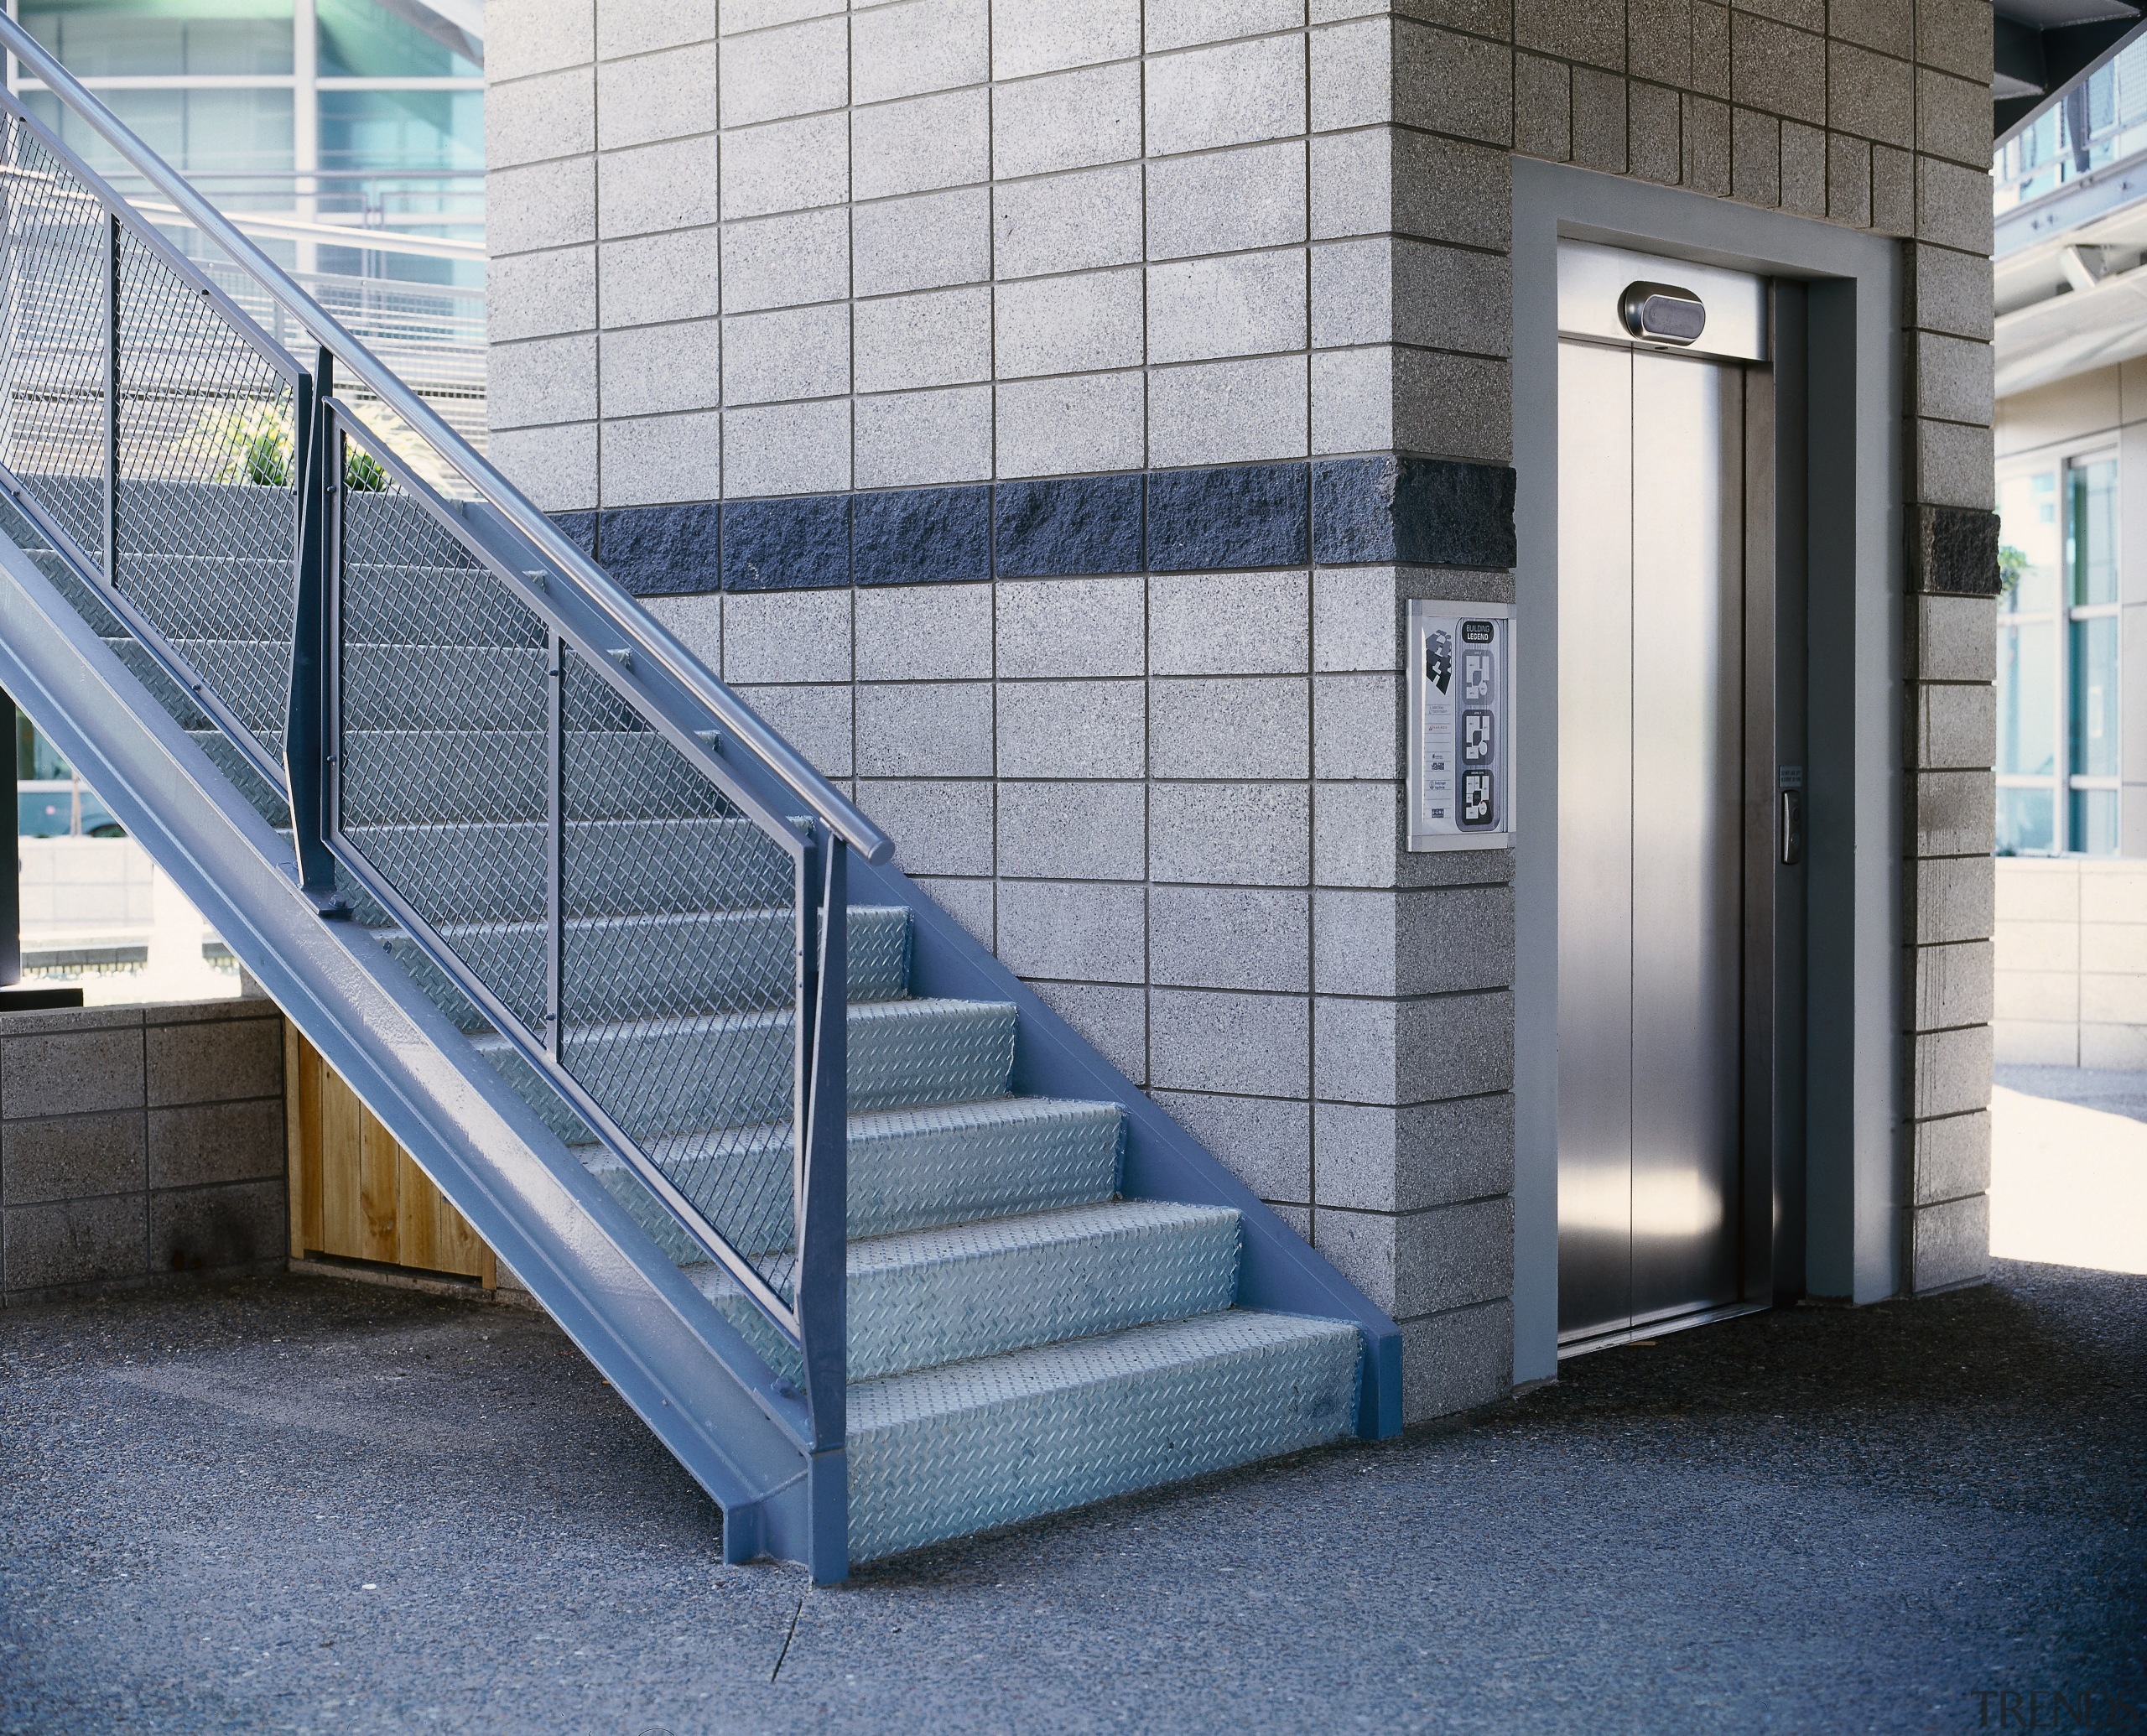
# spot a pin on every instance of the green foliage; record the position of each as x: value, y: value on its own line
x: 255, y: 441
x: 362, y: 473
x: 2012, y: 563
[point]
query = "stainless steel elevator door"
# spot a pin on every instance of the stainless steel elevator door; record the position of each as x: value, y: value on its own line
x: 1651, y: 719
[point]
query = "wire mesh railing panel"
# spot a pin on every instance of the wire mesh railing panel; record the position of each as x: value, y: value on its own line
x: 207, y: 493
x: 57, y: 236
x: 443, y: 684
x: 678, y: 992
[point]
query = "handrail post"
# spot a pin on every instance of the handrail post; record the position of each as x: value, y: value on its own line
x: 110, y: 359
x: 306, y: 771
x: 820, y: 1176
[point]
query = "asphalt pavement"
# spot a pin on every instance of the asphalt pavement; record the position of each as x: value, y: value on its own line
x: 301, y: 1504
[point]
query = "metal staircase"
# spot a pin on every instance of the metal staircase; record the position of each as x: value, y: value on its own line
x: 881, y: 1249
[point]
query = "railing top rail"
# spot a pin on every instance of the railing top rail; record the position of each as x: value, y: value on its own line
x: 618, y: 608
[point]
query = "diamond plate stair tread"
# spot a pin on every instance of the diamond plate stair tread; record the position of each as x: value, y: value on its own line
x: 909, y: 1169
x: 945, y: 1452
x: 924, y: 1297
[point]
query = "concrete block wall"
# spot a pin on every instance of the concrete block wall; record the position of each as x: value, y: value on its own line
x: 1042, y: 414
x: 140, y: 1142
x: 2072, y: 962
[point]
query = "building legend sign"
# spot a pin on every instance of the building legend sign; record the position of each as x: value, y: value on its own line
x: 1460, y: 659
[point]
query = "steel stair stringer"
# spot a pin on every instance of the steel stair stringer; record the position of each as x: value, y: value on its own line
x: 689, y: 1375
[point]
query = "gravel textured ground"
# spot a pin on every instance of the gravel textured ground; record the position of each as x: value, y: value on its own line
x: 301, y: 1504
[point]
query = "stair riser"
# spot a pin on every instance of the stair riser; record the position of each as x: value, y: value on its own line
x: 915, y: 1179
x: 915, y: 1484
x: 920, y: 1316
x: 668, y: 966
x: 212, y: 597
x: 664, y: 1082
x: 489, y: 777
x: 482, y: 874
x: 433, y: 606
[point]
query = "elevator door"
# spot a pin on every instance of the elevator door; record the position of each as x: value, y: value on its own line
x: 1650, y: 720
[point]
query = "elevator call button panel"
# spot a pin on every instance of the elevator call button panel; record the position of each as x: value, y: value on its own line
x: 1460, y: 662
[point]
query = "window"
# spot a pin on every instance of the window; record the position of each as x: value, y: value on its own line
x: 2057, y: 658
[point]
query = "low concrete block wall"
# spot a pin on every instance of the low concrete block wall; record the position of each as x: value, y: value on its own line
x: 2070, y: 953
x: 140, y: 1142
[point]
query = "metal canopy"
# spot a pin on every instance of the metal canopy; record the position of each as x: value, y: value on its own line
x: 2042, y: 49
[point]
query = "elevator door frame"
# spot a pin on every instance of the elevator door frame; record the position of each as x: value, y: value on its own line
x: 1760, y: 1209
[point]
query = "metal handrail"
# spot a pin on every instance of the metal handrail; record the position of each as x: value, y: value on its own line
x: 643, y: 633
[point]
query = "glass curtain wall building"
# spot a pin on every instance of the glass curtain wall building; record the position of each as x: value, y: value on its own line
x: 346, y: 137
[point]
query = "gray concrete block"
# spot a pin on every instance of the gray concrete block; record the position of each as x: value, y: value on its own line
x: 1951, y: 291
x: 207, y: 1142
x: 635, y: 26
x: 1600, y: 123
x: 1755, y: 158
x: 926, y: 45
x: 1076, y: 931
x: 1952, y: 1072
x: 544, y: 380
x: 656, y: 188
x: 546, y: 205
x: 1377, y: 1158
x: 1071, y: 628
x: 1953, y: 464
x: 75, y: 1241
x: 1075, y: 324
x: 791, y: 166
x: 658, y: 370
x: 787, y: 261
x: 544, y: 294
x: 1953, y: 378
x: 1352, y: 400
x: 1071, y: 728
x: 1225, y: 201
x: 939, y: 825
x: 924, y: 729
x: 1086, y: 421
x: 1423, y: 1262
x: 650, y: 279
x: 1956, y: 813
x: 661, y: 459
x: 1071, y: 120
x: 1114, y: 1021
x: 1542, y: 108
x: 939, y: 337
x: 924, y: 632
x: 1426, y: 942
x: 238, y: 1223
x: 1356, y: 837
x: 1034, y: 36
x: 1357, y: 726
x: 668, y: 94
x: 1238, y: 305
x: 1953, y: 1158
x: 814, y: 719
x: 1227, y: 623
x: 1387, y: 1051
x: 787, y: 354
x: 1873, y: 96
x: 1458, y: 406
x: 1350, y: 70
x: 786, y: 635
x: 1184, y: 23
x: 1228, y: 727
x: 1356, y: 620
x: 1076, y: 222
x: 1956, y: 726
x: 1953, y: 986
x: 1955, y: 899
x: 61, y: 1072
x: 1264, y: 1142
x: 911, y: 438
x: 556, y: 467
x: 541, y: 36
x: 1949, y: 1244
x: 1217, y: 413
x: 971, y: 903
x: 928, y: 242
x: 1231, y: 834
x: 1089, y: 830
x: 794, y: 69
x: 1955, y: 638
x: 72, y: 1157
x: 1233, y: 938
x: 1456, y: 1361
x: 1953, y: 207
x: 1251, y: 1045
x: 1235, y: 94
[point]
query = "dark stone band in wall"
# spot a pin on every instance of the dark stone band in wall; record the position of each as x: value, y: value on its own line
x: 1953, y: 551
x: 1334, y: 512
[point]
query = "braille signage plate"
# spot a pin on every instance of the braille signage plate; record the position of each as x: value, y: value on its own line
x: 1460, y: 665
